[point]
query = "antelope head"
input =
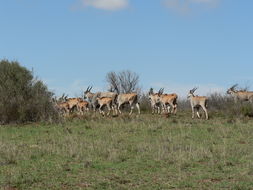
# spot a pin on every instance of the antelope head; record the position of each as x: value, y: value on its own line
x: 87, y: 92
x: 153, y: 97
x: 63, y: 98
x: 232, y: 89
x: 151, y: 91
x: 191, y: 92
x: 160, y: 92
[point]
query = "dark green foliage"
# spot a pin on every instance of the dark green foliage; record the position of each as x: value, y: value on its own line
x: 23, y: 98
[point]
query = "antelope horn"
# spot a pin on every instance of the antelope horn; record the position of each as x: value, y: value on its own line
x: 235, y: 85
x: 161, y: 91
x: 193, y: 90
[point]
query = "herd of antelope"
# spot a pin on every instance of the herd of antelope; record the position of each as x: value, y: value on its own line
x: 160, y: 102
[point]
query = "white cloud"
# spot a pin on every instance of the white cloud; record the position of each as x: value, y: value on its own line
x: 186, y: 6
x: 108, y: 5
x: 177, y: 5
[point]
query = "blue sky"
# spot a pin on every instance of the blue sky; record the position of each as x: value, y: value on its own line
x: 175, y: 44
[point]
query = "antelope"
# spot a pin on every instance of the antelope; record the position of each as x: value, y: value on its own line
x: 63, y: 108
x: 168, y: 101
x: 92, y: 98
x: 73, y: 103
x: 61, y: 105
x: 155, y: 101
x: 82, y: 106
x: 197, y: 102
x: 105, y: 101
x: 241, y: 95
x: 131, y: 99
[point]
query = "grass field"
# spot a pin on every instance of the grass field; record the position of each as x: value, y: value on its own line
x: 138, y: 152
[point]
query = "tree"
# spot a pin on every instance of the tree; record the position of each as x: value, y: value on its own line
x: 124, y: 82
x: 23, y: 98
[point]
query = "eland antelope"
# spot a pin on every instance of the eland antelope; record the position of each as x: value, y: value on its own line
x: 61, y: 105
x: 105, y: 101
x: 63, y: 108
x: 82, y: 106
x: 129, y: 98
x: 240, y: 95
x: 93, y: 98
x: 168, y: 101
x: 197, y: 102
x: 154, y: 101
x: 73, y: 103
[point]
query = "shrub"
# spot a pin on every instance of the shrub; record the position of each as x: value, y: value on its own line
x: 144, y: 103
x: 23, y: 98
x: 225, y: 105
x: 222, y: 105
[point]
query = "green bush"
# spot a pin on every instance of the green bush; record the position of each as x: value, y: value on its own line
x: 23, y: 98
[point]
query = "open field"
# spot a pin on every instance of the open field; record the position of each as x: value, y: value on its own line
x: 138, y: 152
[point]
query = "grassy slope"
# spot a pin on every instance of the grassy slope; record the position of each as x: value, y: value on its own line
x: 146, y: 152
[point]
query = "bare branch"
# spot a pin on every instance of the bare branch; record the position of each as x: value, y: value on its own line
x: 123, y: 82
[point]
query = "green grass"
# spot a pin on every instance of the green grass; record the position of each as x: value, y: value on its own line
x: 145, y: 152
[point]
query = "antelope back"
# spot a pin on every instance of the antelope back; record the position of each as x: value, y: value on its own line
x: 83, y: 103
x: 73, y: 102
x: 124, y: 98
x: 169, y: 97
x: 104, y: 100
x: 244, y: 95
x: 199, y: 100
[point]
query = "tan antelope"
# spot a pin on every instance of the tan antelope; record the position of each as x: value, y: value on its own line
x: 61, y: 105
x: 105, y: 101
x: 129, y: 98
x: 197, y: 102
x: 154, y: 101
x: 168, y: 101
x: 92, y: 98
x: 82, y: 106
x: 63, y: 108
x: 240, y: 95
x: 73, y: 103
